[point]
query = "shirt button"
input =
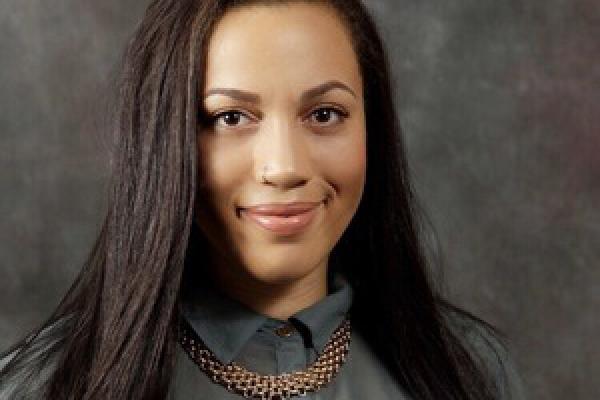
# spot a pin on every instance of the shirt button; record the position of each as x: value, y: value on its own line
x: 285, y: 330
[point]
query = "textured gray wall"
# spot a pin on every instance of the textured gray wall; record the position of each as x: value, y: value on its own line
x: 500, y: 106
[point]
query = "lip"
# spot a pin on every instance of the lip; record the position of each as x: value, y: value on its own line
x: 282, y: 209
x: 283, y: 218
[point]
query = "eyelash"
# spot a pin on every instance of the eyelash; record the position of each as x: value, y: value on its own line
x: 342, y: 115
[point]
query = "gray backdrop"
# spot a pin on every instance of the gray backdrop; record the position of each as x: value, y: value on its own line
x: 499, y: 102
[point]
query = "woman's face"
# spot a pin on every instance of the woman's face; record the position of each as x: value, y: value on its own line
x: 283, y: 94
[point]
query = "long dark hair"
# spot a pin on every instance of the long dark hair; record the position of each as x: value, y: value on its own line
x: 115, y: 330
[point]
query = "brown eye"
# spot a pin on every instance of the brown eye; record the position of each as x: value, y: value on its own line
x: 231, y: 119
x: 327, y: 116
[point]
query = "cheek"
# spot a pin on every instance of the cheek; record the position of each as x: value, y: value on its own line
x: 345, y: 165
x: 221, y: 171
x: 221, y: 168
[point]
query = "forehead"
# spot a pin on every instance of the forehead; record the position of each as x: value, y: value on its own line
x: 293, y: 45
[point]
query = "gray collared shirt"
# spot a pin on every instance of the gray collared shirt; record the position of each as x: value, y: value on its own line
x: 265, y: 345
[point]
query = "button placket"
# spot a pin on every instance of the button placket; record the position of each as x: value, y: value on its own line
x: 290, y: 355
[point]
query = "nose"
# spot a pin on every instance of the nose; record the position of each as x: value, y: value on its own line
x: 281, y: 156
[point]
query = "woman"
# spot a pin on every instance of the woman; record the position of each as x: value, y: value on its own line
x: 246, y: 226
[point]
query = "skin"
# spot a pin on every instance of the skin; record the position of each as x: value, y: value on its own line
x: 311, y: 153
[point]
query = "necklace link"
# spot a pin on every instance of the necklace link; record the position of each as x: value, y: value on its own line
x: 237, y: 379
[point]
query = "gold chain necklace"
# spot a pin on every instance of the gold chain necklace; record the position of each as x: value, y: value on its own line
x: 248, y: 384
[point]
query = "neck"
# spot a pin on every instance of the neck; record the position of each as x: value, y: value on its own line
x: 276, y: 300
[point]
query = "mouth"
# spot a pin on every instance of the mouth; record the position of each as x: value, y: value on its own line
x: 282, y: 218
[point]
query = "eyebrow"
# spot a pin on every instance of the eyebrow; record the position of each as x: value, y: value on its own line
x: 307, y: 95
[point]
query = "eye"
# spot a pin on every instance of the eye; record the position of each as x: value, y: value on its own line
x: 230, y: 119
x: 327, y: 116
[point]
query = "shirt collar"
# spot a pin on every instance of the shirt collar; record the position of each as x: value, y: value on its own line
x: 226, y: 325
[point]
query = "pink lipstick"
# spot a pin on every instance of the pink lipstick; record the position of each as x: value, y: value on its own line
x: 283, y: 218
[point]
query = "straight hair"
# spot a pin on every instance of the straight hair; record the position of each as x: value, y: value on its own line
x: 115, y: 332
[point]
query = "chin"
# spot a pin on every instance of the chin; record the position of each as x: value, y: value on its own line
x: 279, y: 270
x: 277, y: 273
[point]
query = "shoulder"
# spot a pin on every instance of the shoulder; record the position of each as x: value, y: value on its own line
x: 489, y: 348
x: 26, y: 368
